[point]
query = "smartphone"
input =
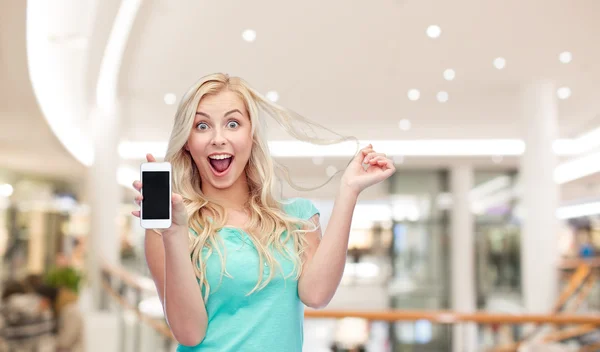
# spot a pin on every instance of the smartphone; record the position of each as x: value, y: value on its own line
x: 155, y: 210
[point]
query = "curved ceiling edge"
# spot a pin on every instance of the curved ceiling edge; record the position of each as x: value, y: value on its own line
x: 57, y: 57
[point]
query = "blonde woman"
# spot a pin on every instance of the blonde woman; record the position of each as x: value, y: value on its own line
x: 237, y: 266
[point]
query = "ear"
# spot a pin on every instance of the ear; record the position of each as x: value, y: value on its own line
x: 186, y: 147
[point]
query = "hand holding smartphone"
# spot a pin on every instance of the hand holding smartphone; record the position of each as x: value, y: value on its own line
x: 159, y: 207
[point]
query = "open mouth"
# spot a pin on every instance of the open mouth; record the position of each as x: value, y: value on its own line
x: 220, y: 163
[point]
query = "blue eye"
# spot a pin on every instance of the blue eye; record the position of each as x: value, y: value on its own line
x: 202, y: 126
x: 233, y: 124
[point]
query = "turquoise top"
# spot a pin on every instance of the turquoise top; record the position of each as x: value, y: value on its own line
x: 270, y: 319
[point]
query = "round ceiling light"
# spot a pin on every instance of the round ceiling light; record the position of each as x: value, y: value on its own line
x: 449, y: 74
x: 170, y: 98
x: 563, y: 93
x: 414, y: 94
x: 249, y: 35
x: 499, y: 63
x: 442, y: 96
x: 404, y: 124
x: 565, y: 57
x: 318, y: 160
x: 272, y: 96
x: 434, y: 31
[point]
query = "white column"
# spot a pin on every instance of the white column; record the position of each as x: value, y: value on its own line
x: 539, y: 252
x: 105, y: 198
x: 463, y: 257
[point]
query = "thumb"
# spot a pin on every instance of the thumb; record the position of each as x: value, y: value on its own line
x: 177, y: 201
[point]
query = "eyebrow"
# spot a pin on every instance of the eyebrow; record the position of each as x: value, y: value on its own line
x: 226, y: 114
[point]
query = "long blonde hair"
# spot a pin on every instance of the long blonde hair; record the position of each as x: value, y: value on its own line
x: 267, y: 215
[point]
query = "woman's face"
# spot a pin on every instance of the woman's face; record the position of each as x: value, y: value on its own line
x: 221, y: 139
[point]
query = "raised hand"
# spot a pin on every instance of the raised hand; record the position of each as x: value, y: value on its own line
x: 378, y: 168
x: 179, y: 213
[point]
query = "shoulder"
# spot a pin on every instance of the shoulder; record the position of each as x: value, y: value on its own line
x: 300, y: 208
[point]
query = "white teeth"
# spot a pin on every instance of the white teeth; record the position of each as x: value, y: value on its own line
x: 220, y: 156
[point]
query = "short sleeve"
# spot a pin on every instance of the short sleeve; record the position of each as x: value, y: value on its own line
x: 301, y: 208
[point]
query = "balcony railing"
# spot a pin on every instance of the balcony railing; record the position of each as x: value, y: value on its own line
x: 506, y: 330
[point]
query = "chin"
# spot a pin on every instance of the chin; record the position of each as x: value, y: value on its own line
x: 221, y: 184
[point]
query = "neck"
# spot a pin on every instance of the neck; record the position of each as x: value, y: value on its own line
x: 235, y: 197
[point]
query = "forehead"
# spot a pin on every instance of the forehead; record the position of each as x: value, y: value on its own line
x: 220, y: 103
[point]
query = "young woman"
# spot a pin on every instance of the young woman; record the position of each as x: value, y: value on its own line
x: 237, y: 266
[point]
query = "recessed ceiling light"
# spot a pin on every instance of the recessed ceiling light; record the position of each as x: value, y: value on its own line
x: 170, y: 98
x: 249, y: 35
x: 318, y: 160
x: 331, y: 170
x: 563, y: 93
x: 398, y: 159
x: 497, y: 159
x: 273, y: 96
x: 434, y: 31
x: 414, y: 94
x: 565, y: 57
x: 449, y: 74
x: 499, y: 63
x: 442, y: 96
x: 404, y: 124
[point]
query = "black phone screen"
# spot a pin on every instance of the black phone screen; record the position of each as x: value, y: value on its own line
x: 157, y: 200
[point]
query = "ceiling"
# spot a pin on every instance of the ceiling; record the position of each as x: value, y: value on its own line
x: 26, y: 142
x: 347, y: 65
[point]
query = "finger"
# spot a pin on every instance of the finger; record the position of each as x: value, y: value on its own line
x: 363, y: 152
x: 390, y: 170
x: 136, y: 213
x: 368, y: 149
x: 150, y: 158
x: 388, y: 163
x: 389, y: 166
x: 138, y: 199
x: 382, y: 162
x: 372, y: 156
x: 379, y: 163
x: 375, y: 158
x: 137, y: 185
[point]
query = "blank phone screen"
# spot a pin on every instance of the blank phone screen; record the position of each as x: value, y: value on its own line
x: 157, y: 200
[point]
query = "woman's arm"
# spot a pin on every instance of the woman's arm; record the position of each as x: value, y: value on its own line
x: 175, y: 281
x: 325, y: 258
x: 155, y: 258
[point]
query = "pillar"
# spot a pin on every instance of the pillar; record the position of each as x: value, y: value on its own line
x: 105, y: 198
x: 540, y: 197
x: 462, y: 256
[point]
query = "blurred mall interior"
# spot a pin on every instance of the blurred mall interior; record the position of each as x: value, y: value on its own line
x: 487, y: 238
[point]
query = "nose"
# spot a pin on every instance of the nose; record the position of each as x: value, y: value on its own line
x: 218, y: 138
